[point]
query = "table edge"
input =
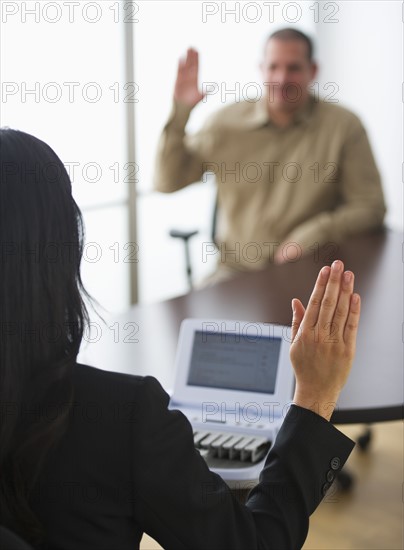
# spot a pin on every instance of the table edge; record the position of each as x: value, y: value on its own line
x: 368, y: 416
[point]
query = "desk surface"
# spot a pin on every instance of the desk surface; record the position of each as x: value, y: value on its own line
x: 143, y: 341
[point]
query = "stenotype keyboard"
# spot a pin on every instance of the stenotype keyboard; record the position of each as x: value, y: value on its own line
x: 234, y: 382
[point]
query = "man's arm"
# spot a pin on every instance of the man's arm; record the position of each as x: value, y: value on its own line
x: 362, y: 205
x: 180, y: 158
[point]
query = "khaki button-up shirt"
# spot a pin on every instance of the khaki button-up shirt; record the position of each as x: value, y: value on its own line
x: 311, y: 183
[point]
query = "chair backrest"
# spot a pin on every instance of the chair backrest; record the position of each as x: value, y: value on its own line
x: 186, y: 235
x: 215, y: 214
x: 11, y: 541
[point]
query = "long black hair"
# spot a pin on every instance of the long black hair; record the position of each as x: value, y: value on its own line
x: 42, y: 316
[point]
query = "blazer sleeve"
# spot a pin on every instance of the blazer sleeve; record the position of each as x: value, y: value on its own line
x: 182, y: 504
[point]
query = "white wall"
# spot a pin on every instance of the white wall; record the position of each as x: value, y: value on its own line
x: 363, y: 55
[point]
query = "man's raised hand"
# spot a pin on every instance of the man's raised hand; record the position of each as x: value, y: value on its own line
x: 186, y: 86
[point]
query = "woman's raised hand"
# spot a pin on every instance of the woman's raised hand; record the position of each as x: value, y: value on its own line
x: 324, y: 339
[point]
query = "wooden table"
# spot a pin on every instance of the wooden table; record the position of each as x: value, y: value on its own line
x: 374, y: 391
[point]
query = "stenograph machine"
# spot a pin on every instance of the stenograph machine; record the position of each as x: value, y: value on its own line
x: 234, y: 382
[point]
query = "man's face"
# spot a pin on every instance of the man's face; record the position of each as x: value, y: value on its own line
x: 286, y: 73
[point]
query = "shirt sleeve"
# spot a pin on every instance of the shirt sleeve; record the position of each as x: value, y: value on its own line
x: 361, y: 206
x: 182, y: 504
x: 182, y: 159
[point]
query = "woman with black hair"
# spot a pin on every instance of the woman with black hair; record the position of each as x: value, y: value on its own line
x: 73, y: 480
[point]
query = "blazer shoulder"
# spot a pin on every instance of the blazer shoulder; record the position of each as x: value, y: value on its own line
x: 93, y: 383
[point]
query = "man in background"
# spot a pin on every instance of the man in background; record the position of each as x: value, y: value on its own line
x: 293, y: 172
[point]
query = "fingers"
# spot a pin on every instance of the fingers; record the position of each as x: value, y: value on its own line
x: 313, y: 308
x: 298, y: 314
x: 351, y: 326
x: 192, y: 58
x: 331, y: 296
x: 188, y: 63
x: 343, y: 305
x: 333, y: 307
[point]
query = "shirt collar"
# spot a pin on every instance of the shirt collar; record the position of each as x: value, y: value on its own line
x: 261, y: 117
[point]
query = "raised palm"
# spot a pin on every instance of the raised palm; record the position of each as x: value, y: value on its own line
x: 186, y: 86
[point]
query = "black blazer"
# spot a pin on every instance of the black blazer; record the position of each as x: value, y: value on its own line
x: 127, y: 465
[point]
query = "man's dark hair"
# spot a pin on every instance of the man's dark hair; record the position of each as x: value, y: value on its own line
x: 293, y: 34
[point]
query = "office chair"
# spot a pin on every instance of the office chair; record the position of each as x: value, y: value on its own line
x: 186, y: 236
x: 11, y: 541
